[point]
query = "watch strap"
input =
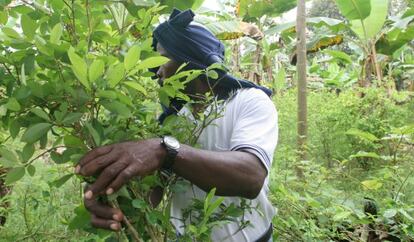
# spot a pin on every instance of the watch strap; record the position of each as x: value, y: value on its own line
x: 171, y: 155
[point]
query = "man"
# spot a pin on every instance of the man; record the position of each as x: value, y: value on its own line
x: 237, y: 148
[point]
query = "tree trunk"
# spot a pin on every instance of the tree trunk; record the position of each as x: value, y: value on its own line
x: 301, y: 71
x: 254, y: 74
x: 235, y: 61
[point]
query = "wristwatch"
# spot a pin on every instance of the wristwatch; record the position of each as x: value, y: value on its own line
x: 172, y: 145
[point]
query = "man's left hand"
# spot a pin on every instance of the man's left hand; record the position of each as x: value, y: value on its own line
x: 116, y: 164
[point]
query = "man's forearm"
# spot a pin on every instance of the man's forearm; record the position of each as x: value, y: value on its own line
x: 232, y: 173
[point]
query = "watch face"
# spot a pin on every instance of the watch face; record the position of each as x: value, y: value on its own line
x: 171, y: 142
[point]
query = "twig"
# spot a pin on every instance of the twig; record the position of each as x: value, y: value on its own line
x: 403, y: 184
x: 11, y: 74
x: 41, y: 154
x: 131, y: 228
x: 73, y: 21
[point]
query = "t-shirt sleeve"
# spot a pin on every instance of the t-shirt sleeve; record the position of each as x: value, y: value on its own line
x: 255, y: 127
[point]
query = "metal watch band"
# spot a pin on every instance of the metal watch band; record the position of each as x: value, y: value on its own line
x: 171, y: 145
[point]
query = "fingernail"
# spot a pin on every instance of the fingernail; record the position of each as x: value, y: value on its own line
x: 88, y: 194
x: 109, y: 191
x: 77, y: 169
x: 114, y: 226
x: 116, y: 217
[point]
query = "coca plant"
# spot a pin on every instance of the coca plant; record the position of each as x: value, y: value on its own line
x: 73, y: 76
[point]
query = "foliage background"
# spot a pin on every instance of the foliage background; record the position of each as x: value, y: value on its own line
x: 360, y: 119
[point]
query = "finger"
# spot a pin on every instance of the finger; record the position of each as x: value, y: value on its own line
x: 104, y: 179
x: 97, y: 164
x: 94, y: 154
x: 123, y: 177
x: 103, y: 211
x: 105, y: 223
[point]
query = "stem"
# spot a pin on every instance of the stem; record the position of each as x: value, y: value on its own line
x: 73, y: 21
x: 11, y: 74
x: 374, y: 61
x: 26, y: 221
x: 403, y: 184
x: 41, y: 154
x: 131, y: 228
x: 89, y: 24
x: 38, y: 7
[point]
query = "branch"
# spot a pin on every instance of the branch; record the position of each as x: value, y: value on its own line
x: 131, y: 228
x: 41, y: 154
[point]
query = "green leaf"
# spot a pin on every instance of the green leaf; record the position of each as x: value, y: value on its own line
x: 72, y: 118
x: 139, y: 203
x: 42, y: 46
x: 107, y: 94
x: 406, y: 215
x: 28, y: 151
x: 208, y: 199
x: 56, y: 33
x: 13, y: 105
x: 72, y: 141
x: 43, y: 141
x: 31, y: 169
x: 95, y: 135
x: 212, y: 74
x: 389, y: 213
x: 152, y: 62
x: 137, y: 87
x: 115, y: 74
x: 35, y: 132
x: 132, y: 57
x: 96, y: 70
x: 28, y: 25
x: 40, y: 113
x: 339, y: 55
x: 354, y: 9
x: 3, y: 17
x: 361, y: 134
x: 341, y: 216
x: 213, y: 206
x: 118, y: 108
x: 371, y: 184
x: 256, y: 9
x: 8, y: 155
x: 81, y: 219
x: 6, y: 163
x: 14, y: 128
x: 79, y: 67
x: 368, y: 28
x: 366, y: 154
x: 59, y: 182
x: 11, y: 33
x: 14, y: 175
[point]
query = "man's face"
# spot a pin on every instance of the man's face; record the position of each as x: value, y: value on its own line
x: 168, y: 69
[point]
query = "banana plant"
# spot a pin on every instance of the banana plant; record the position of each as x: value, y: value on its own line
x: 366, y: 19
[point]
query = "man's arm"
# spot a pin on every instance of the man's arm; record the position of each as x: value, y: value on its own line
x: 233, y: 173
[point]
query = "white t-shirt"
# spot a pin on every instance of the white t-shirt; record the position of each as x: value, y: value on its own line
x: 249, y: 123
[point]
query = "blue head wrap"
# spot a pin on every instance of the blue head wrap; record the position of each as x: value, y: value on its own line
x: 195, y: 45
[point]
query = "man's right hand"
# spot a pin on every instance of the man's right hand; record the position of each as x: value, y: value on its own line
x: 103, y: 216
